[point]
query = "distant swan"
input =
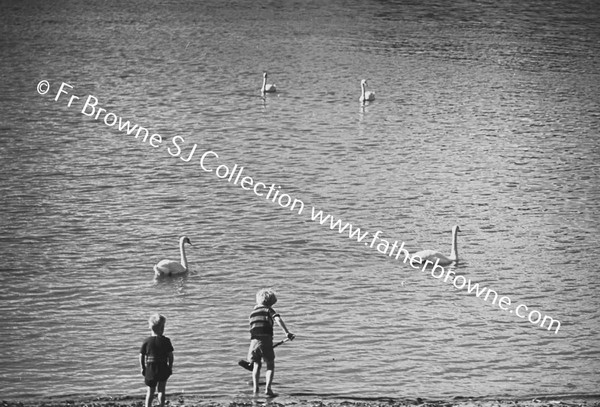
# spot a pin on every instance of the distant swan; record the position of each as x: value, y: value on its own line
x: 434, y: 256
x: 172, y: 267
x: 267, y: 87
x: 365, y: 96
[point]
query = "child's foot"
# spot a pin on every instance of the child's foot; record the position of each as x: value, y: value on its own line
x: 269, y: 393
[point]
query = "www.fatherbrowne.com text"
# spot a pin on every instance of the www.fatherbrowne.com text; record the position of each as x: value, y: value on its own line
x: 209, y: 162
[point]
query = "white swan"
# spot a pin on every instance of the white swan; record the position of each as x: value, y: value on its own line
x: 172, y: 267
x: 433, y: 255
x: 267, y: 87
x: 365, y: 96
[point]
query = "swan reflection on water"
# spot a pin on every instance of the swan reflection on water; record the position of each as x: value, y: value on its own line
x: 175, y: 285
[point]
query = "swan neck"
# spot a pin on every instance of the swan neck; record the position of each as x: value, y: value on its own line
x: 454, y: 252
x: 362, y: 89
x: 184, y: 261
x: 264, y: 85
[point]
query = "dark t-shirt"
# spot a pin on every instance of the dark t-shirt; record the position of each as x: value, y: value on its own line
x: 157, y: 349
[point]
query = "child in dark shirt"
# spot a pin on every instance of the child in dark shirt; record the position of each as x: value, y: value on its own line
x: 156, y: 360
x: 261, y: 338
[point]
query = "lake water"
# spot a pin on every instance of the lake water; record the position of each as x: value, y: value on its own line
x: 487, y: 116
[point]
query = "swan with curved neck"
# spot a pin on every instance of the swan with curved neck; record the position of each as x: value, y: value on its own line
x: 267, y: 87
x: 364, y: 95
x: 172, y: 267
x: 435, y: 256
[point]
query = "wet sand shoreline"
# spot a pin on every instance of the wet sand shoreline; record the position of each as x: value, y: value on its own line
x: 187, y: 400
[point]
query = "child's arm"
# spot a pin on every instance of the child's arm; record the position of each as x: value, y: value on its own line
x: 280, y: 322
x: 143, y: 364
x: 170, y: 361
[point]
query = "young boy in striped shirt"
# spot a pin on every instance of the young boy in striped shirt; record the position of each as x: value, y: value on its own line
x: 261, y: 338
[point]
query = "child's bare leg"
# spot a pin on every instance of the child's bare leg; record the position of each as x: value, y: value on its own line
x: 256, y: 376
x: 269, y: 375
x: 149, y: 396
x: 161, y: 393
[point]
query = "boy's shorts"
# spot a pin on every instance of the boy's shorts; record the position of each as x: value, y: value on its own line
x: 261, y: 349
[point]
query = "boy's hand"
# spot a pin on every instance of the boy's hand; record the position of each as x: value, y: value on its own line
x: 290, y: 336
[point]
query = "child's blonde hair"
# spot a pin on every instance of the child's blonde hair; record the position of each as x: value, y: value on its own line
x: 266, y: 297
x: 157, y: 323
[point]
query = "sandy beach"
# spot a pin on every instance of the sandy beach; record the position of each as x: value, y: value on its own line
x: 200, y: 401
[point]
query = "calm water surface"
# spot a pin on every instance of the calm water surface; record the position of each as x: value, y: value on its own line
x: 487, y: 116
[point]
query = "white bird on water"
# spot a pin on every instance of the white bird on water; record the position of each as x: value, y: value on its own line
x: 364, y: 95
x: 172, y: 267
x: 267, y: 87
x: 434, y: 255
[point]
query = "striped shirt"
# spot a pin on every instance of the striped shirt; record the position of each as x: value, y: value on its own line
x: 261, y: 322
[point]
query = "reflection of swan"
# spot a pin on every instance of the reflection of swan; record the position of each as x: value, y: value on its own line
x: 172, y: 267
x: 267, y: 87
x: 365, y: 96
x: 434, y: 256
